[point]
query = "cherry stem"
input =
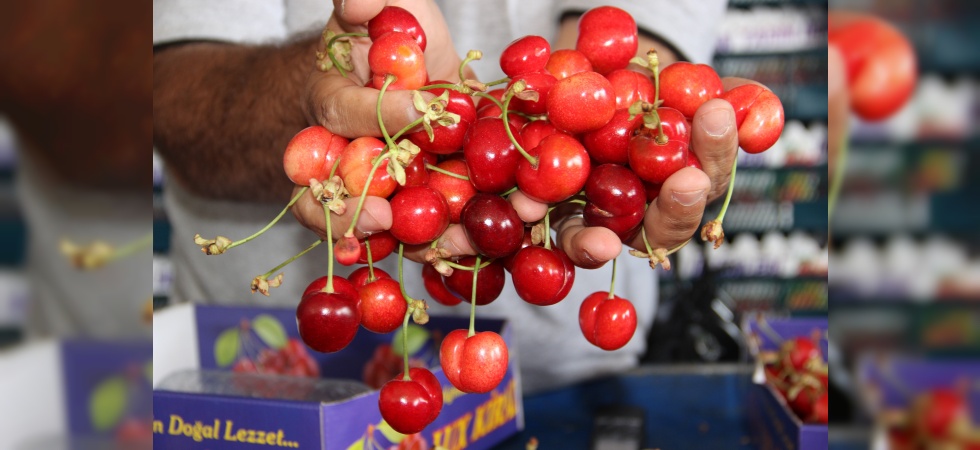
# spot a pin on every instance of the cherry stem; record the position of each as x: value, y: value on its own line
x: 389, y: 78
x: 654, y: 61
x: 677, y: 247
x: 498, y: 82
x: 491, y: 98
x: 510, y: 134
x: 646, y: 242
x: 430, y: 87
x: 293, y: 258
x: 840, y: 165
x: 578, y: 201
x: 467, y: 268
x: 509, y: 191
x: 547, y: 228
x: 266, y: 228
x: 471, y: 55
x: 408, y: 314
x: 446, y: 172
x: 612, y: 284
x: 332, y: 41
x: 367, y: 246
x: 728, y: 195
x: 401, y: 275
x: 333, y: 169
x: 476, y: 273
x: 130, y: 248
x: 408, y: 128
x: 367, y: 184
x: 326, y: 219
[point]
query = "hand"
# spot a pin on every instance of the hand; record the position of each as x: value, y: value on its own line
x: 346, y: 107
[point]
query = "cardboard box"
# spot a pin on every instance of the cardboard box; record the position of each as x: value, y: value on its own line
x: 771, y: 421
x: 185, y: 419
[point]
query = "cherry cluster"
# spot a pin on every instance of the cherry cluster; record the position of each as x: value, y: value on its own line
x: 573, y: 129
x: 799, y: 373
x: 290, y: 359
x: 936, y: 418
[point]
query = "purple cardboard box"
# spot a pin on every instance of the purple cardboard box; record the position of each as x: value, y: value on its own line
x: 185, y: 419
x: 771, y: 421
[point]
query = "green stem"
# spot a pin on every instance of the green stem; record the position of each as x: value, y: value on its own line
x: 497, y: 82
x: 467, y: 268
x: 407, y: 128
x: 510, y: 134
x: 646, y: 243
x: 473, y: 300
x: 131, y: 247
x: 293, y: 258
x: 401, y: 274
x: 405, y: 342
x: 471, y: 55
x: 430, y: 87
x: 333, y: 59
x: 509, y: 191
x: 367, y: 246
x: 547, y: 228
x: 333, y: 169
x: 491, y: 98
x: 840, y: 165
x: 612, y: 284
x: 381, y: 123
x: 266, y: 228
x: 577, y: 200
x: 326, y: 218
x: 728, y: 195
x: 446, y: 172
x: 367, y: 184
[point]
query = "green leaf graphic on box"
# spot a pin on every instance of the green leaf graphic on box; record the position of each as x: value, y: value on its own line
x: 107, y: 403
x: 417, y: 336
x: 357, y: 445
x: 270, y: 331
x: 390, y: 434
x: 226, y: 347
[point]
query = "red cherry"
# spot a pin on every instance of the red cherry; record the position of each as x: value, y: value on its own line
x: 419, y: 215
x: 474, y: 364
x: 570, y: 97
x: 398, y: 54
x: 615, y: 199
x: 652, y: 190
x: 382, y: 305
x: 541, y: 276
x: 490, y: 156
x: 328, y: 322
x: 610, y: 144
x: 436, y: 287
x: 393, y: 18
x: 382, y: 245
x: 489, y: 283
x: 630, y: 86
x: 562, y: 168
x: 525, y: 242
x: 758, y: 115
x: 311, y: 153
x: 484, y: 103
x: 567, y: 62
x: 340, y: 286
x: 405, y: 405
x: 944, y: 406
x: 416, y: 174
x: 347, y: 250
x: 456, y: 191
x: 525, y: 55
x: 693, y: 161
x: 608, y: 37
x: 540, y: 82
x: 492, y: 225
x: 607, y: 323
x: 355, y: 165
x: 881, y: 65
x: 244, y: 365
x: 674, y: 124
x: 361, y: 276
x: 654, y: 162
x: 821, y: 409
x: 796, y: 353
x: 685, y: 86
x: 534, y: 131
x: 447, y: 139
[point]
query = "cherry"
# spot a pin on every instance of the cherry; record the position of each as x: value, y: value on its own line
x: 490, y: 155
x: 693, y: 161
x: 616, y: 199
x: 485, y: 103
x: 610, y: 144
x: 416, y: 174
x: 382, y: 367
x: 398, y: 54
x: 489, y: 283
x: 540, y: 82
x: 881, y: 65
x: 311, y: 153
x: 474, y: 364
x: 244, y: 365
x: 608, y: 37
x: 382, y: 305
x: 525, y: 55
x: 447, y: 139
x: 407, y: 405
x: 382, y: 245
x: 525, y: 242
x: 630, y: 86
x: 821, y: 409
x: 347, y: 250
x: 340, y: 286
x: 328, y: 322
x: 534, y: 131
x: 797, y: 352
x: 456, y: 191
x: 361, y: 276
x: 652, y: 190
x: 758, y: 115
x: 607, y: 322
x: 492, y: 225
x: 419, y: 214
x: 685, y: 86
x: 542, y: 276
x: 393, y: 18
x: 571, y: 96
x: 562, y: 166
x: 673, y: 123
x: 355, y: 165
x: 567, y: 62
x: 654, y: 162
x: 942, y: 408
x: 436, y: 287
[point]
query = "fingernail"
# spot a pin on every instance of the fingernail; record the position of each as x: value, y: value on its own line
x: 588, y: 257
x: 688, y: 198
x: 450, y: 246
x: 717, y: 122
x: 367, y: 223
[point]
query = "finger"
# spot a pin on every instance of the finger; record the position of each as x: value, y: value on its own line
x: 529, y: 210
x: 374, y: 217
x: 353, y: 14
x: 350, y: 110
x: 676, y: 214
x: 588, y: 247
x: 714, y: 139
x: 837, y: 103
x: 453, y: 240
